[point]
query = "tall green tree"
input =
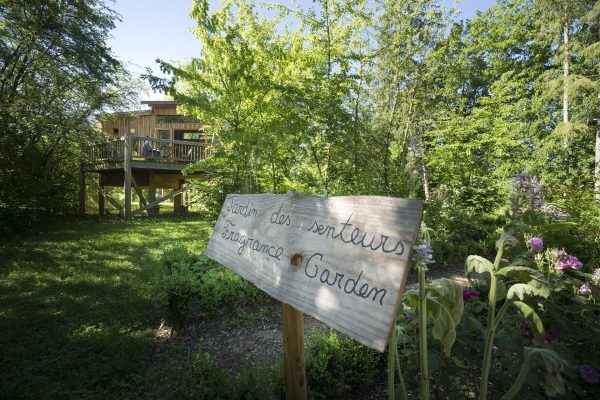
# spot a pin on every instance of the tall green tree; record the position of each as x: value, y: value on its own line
x: 282, y: 95
x: 563, y: 25
x: 236, y: 85
x: 407, y: 35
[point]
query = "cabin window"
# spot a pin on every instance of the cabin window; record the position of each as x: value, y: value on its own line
x: 116, y: 132
x: 191, y: 136
x: 164, y: 134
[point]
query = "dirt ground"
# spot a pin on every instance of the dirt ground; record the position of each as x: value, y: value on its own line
x: 253, y: 335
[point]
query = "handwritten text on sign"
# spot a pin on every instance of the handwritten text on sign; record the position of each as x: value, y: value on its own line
x: 343, y: 260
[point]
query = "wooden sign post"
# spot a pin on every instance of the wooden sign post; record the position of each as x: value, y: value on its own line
x: 342, y: 260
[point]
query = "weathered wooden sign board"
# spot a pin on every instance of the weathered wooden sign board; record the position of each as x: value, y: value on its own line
x: 343, y: 260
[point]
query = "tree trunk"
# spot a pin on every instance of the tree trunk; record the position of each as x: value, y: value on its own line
x: 597, y: 159
x: 424, y: 176
x: 566, y: 73
x: 565, y: 107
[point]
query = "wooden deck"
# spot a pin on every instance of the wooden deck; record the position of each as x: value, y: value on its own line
x: 144, y: 152
x: 136, y: 162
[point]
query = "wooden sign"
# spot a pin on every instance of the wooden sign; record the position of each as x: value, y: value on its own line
x: 343, y: 260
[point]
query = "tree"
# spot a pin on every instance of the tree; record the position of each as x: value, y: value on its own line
x: 407, y: 35
x: 562, y: 22
x: 56, y: 71
x: 279, y: 100
x: 591, y: 56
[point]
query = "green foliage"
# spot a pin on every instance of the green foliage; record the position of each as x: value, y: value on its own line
x: 456, y: 232
x: 178, y: 287
x: 77, y: 306
x: 56, y: 72
x: 204, y: 379
x: 444, y: 306
x: 551, y: 366
x: 336, y: 363
x: 187, y: 282
x: 479, y: 265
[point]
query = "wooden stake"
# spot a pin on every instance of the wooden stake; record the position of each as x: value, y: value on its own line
x: 177, y: 200
x: 293, y: 342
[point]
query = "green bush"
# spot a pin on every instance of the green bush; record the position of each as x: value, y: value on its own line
x: 186, y: 282
x: 336, y: 363
x: 456, y: 233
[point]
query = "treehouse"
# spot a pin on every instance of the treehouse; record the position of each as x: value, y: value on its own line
x: 144, y: 151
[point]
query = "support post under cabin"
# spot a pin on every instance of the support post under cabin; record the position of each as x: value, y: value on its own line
x: 127, y: 171
x: 152, y: 212
x: 178, y: 200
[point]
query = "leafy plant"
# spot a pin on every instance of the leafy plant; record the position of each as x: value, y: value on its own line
x: 335, y: 363
x: 186, y: 282
x: 442, y: 302
x: 524, y: 283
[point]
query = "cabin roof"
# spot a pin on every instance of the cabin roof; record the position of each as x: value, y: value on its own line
x: 159, y: 102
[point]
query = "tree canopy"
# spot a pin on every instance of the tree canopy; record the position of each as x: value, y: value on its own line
x: 56, y: 71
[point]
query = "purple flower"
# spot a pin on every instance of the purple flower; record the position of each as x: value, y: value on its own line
x: 585, y: 289
x: 589, y: 374
x: 548, y: 338
x: 424, y: 253
x: 494, y: 348
x: 407, y: 319
x: 536, y: 244
x: 467, y: 294
x: 566, y: 261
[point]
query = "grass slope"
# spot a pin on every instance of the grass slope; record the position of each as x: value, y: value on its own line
x: 76, y: 312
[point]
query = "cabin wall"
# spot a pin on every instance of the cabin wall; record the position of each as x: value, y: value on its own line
x: 148, y: 123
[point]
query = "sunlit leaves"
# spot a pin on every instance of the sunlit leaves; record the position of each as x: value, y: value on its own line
x: 479, y: 265
x: 444, y: 304
x: 521, y: 291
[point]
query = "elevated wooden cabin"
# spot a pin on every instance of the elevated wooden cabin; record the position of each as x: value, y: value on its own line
x: 144, y: 150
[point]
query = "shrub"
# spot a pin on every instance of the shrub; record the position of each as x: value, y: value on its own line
x: 335, y: 363
x: 186, y: 282
x: 178, y: 285
x: 457, y: 233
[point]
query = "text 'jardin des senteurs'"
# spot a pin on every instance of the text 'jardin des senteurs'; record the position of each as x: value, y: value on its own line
x: 343, y: 260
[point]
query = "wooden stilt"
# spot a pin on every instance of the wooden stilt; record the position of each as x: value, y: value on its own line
x: 152, y: 212
x: 138, y: 191
x: 127, y: 171
x: 81, y: 190
x: 178, y: 200
x: 154, y: 203
x: 293, y: 342
x: 112, y: 201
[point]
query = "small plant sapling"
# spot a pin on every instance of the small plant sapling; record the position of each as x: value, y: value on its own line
x: 441, y: 301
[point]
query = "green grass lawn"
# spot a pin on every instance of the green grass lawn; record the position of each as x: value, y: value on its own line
x: 76, y: 310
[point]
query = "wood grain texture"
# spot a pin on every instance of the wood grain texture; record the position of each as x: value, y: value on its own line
x: 293, y: 339
x: 350, y: 255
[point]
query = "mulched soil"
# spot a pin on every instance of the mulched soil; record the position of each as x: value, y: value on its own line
x: 253, y: 335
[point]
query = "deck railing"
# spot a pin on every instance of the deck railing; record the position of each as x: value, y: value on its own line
x: 147, y: 149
